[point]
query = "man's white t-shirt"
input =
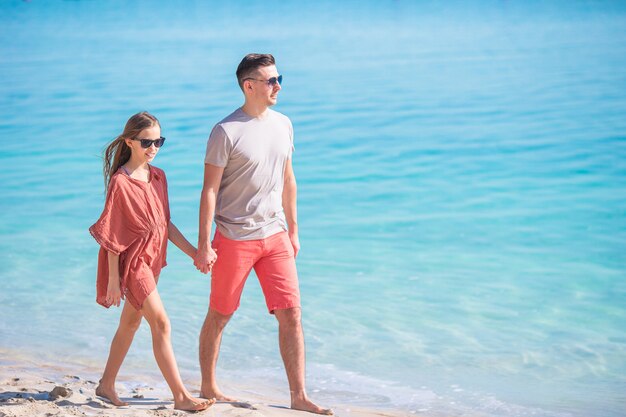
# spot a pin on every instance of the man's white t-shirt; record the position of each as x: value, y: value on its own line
x: 253, y: 153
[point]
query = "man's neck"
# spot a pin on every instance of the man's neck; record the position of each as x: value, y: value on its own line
x: 258, y: 111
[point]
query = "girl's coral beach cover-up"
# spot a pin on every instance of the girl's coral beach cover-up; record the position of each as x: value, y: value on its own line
x: 134, y: 226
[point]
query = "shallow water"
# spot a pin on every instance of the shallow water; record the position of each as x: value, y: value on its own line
x: 462, y: 193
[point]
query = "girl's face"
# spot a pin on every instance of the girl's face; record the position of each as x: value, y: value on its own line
x: 139, y: 153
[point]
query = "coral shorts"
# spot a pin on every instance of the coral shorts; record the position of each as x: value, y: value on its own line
x: 273, y: 261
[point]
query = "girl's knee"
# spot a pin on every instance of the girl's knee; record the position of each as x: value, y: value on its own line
x: 131, y: 322
x: 131, y: 325
x: 161, y: 325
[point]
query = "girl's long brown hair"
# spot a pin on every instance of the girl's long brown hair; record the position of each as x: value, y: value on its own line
x: 117, y: 153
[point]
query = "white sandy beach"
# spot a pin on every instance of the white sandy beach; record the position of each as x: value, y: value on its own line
x: 29, y: 388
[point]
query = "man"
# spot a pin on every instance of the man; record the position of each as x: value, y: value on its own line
x: 250, y: 190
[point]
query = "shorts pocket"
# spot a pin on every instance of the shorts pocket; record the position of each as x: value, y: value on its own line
x: 286, y: 243
x: 216, y: 240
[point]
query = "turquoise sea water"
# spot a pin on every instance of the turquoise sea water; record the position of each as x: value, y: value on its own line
x: 462, y: 191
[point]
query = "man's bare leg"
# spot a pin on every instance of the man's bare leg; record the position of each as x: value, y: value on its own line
x: 291, y: 341
x: 210, y: 341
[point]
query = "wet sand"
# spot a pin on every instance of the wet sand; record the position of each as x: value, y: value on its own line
x: 29, y: 388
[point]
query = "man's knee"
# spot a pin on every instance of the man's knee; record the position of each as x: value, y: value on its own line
x: 216, y: 319
x: 289, y: 317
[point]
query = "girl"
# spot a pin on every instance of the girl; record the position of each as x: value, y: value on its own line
x: 132, y: 232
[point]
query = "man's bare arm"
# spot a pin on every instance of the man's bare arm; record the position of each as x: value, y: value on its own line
x: 206, y: 256
x: 290, y: 207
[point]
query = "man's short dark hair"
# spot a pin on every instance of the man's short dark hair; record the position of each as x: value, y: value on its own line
x: 250, y: 64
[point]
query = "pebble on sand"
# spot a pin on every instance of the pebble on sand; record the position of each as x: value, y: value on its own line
x: 59, y: 392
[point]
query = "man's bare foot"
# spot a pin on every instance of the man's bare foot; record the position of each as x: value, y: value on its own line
x: 216, y: 394
x: 305, y: 404
x: 110, y: 395
x: 193, y: 404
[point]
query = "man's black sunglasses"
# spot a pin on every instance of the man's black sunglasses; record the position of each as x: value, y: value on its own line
x: 146, y: 143
x: 271, y: 82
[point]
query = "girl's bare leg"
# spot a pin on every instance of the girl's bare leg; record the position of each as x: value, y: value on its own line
x: 155, y: 315
x: 130, y: 319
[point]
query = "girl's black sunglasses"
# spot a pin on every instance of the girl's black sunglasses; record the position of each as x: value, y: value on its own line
x: 146, y: 143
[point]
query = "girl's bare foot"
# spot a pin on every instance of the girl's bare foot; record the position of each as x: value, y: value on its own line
x: 109, y: 394
x: 193, y: 404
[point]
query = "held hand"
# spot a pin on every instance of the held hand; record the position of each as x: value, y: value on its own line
x: 205, y: 259
x: 114, y: 295
x: 295, y: 242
